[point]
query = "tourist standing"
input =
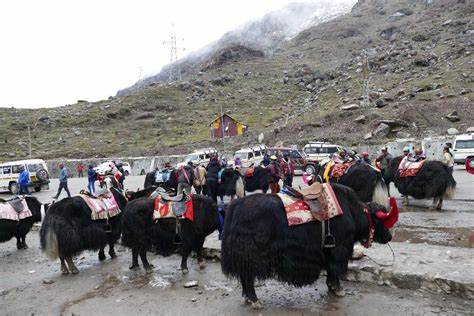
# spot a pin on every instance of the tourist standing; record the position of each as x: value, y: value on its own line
x: 91, y: 177
x: 63, y: 177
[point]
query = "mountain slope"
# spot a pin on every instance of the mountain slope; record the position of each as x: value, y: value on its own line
x: 415, y: 56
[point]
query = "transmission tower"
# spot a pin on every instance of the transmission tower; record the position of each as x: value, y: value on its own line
x: 174, y: 69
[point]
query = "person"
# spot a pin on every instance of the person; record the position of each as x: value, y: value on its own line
x: 237, y: 162
x: 365, y: 158
x: 384, y: 159
x: 288, y: 170
x: 80, y: 170
x: 274, y: 175
x: 266, y: 160
x: 406, y: 151
x: 341, y: 157
x: 448, y: 158
x: 212, y: 169
x: 63, y: 177
x: 185, y: 177
x: 122, y: 174
x: 91, y: 177
x: 417, y: 155
x: 24, y: 181
x: 200, y: 179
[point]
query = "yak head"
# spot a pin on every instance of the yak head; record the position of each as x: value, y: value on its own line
x: 383, y: 220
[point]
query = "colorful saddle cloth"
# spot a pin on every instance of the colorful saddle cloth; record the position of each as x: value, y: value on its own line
x: 409, y: 168
x: 15, y: 211
x: 299, y: 211
x: 334, y: 170
x: 102, y: 207
x: 171, y: 209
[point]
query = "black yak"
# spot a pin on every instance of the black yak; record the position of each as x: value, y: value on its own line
x: 257, y: 181
x: 170, y: 185
x: 19, y: 229
x: 432, y: 181
x: 365, y: 181
x: 140, y: 232
x: 68, y: 229
x: 231, y: 184
x: 259, y: 244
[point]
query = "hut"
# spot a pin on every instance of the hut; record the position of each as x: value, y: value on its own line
x: 226, y: 126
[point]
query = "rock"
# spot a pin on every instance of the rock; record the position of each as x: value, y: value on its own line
x: 361, y: 119
x: 48, y: 281
x: 452, y: 131
x: 194, y: 299
x: 382, y: 130
x: 345, y: 100
x: 184, y: 85
x: 286, y: 79
x: 389, y: 33
x: 368, y: 136
x: 11, y: 154
x: 394, y: 123
x: 420, y: 38
x: 77, y: 133
x: 395, y: 17
x: 453, y: 117
x: 190, y: 284
x: 350, y: 107
x: 447, y: 22
x: 261, y: 137
x: 380, y: 103
x: 145, y: 116
x: 465, y: 91
x: 470, y: 129
x: 421, y: 62
x: 403, y: 135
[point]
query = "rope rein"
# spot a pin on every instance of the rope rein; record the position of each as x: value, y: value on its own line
x: 383, y: 264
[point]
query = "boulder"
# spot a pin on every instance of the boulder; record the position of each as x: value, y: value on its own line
x: 447, y: 22
x: 420, y: 38
x: 401, y: 134
x: 394, y: 123
x: 453, y: 117
x: 470, y: 129
x: 382, y: 130
x: 361, y: 119
x: 389, y: 33
x: 452, y: 131
x: 380, y: 103
x: 421, y: 62
x: 368, y: 136
x: 350, y: 107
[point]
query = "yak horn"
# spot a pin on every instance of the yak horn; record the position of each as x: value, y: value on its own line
x: 389, y: 219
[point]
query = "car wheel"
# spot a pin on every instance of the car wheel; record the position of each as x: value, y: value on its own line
x: 37, y: 189
x: 13, y: 188
x: 310, y: 169
x: 42, y: 174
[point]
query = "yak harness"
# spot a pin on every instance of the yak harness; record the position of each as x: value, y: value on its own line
x: 14, y: 210
x: 173, y: 209
x: 320, y: 205
x: 102, y: 207
x: 409, y: 168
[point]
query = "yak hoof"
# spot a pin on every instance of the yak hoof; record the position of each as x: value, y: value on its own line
x: 19, y: 245
x: 64, y: 271
x: 101, y: 257
x: 339, y: 292
x: 74, y: 270
x: 25, y: 246
x: 149, y: 268
x: 185, y: 270
x: 134, y: 266
x: 257, y: 305
x: 202, y: 265
x: 112, y: 255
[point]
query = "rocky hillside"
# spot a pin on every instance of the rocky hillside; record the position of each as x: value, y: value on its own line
x: 387, y: 69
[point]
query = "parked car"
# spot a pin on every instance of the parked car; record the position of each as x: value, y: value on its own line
x: 249, y: 156
x: 104, y: 167
x: 320, y: 150
x: 9, y: 172
x: 302, y: 162
x: 463, y: 147
x: 198, y: 157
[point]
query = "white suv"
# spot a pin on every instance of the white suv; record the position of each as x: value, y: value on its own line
x: 463, y: 147
x: 199, y: 157
x: 320, y: 150
x: 249, y: 156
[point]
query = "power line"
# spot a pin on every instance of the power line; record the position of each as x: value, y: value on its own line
x: 174, y: 68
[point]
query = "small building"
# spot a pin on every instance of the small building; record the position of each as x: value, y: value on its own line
x: 226, y: 126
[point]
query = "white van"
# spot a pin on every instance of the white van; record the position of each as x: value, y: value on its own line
x: 9, y: 172
x: 249, y: 156
x: 463, y: 147
x: 320, y: 150
x: 199, y: 157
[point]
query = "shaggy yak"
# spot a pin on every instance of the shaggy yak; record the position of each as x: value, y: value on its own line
x: 19, y: 229
x: 231, y: 184
x: 432, y: 181
x: 170, y: 185
x: 68, y: 229
x: 259, y: 244
x: 365, y: 181
x: 258, y: 181
x: 140, y: 232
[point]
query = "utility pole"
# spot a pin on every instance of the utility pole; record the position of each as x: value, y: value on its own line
x: 174, y: 68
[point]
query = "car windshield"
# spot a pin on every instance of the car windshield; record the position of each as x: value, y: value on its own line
x: 465, y: 144
x: 34, y: 167
x: 241, y: 156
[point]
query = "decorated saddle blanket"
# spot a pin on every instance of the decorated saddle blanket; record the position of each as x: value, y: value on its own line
x: 299, y: 211
x: 170, y: 209
x: 334, y: 170
x: 13, y: 211
x: 102, y: 207
x: 409, y: 168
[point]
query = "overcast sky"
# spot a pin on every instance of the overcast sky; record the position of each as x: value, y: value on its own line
x: 54, y: 52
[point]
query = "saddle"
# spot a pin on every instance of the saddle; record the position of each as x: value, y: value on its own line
x: 168, y: 198
x: 16, y: 203
x: 313, y: 192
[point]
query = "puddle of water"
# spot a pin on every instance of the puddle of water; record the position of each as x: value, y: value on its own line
x: 442, y: 236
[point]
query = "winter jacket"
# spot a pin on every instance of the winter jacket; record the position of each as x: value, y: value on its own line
x: 63, y: 175
x: 24, y: 177
x: 212, y: 172
x: 274, y: 172
x: 91, y: 175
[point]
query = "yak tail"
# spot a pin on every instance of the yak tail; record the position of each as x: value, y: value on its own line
x: 51, y: 245
x: 380, y: 195
x: 450, y: 188
x: 239, y: 187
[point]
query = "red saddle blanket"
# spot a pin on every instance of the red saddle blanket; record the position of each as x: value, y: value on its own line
x: 300, y: 212
x: 102, y: 207
x: 409, y: 168
x: 8, y: 212
x: 339, y: 169
x: 168, y: 209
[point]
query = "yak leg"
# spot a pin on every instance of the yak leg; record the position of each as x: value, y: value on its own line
x: 248, y: 291
x: 24, y: 245
x: 200, y: 258
x: 64, y: 269
x: 148, y: 267
x: 72, y: 266
x: 134, y: 259
x: 112, y: 251
x: 101, y: 254
x: 333, y: 283
x: 405, y: 200
x: 440, y: 203
x: 184, y: 259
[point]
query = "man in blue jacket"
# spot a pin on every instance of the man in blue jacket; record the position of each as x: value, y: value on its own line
x: 63, y: 176
x: 24, y: 181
